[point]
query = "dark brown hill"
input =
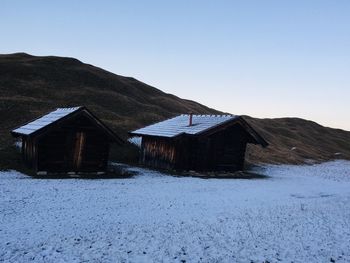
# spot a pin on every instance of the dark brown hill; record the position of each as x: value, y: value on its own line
x: 31, y: 86
x: 295, y: 140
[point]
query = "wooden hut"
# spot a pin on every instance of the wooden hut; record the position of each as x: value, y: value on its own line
x: 197, y: 142
x: 67, y: 140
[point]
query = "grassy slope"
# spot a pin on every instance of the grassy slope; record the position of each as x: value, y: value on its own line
x: 31, y: 86
x: 295, y: 140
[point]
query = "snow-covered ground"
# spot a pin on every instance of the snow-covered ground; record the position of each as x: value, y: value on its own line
x: 299, y: 214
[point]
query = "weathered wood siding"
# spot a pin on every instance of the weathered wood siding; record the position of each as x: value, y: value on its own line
x: 158, y: 152
x: 223, y: 150
x: 95, y: 154
x: 227, y: 149
x: 29, y: 151
x: 76, y: 146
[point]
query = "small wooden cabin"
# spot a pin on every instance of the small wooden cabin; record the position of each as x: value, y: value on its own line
x: 197, y: 142
x: 67, y: 140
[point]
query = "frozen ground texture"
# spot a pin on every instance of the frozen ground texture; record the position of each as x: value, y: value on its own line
x: 299, y: 214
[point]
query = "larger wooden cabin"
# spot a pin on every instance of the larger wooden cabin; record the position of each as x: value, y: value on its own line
x: 67, y: 140
x: 197, y: 142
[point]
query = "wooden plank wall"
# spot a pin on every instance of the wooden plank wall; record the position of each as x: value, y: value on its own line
x: 158, y: 152
x: 227, y: 149
x: 76, y: 146
x: 221, y: 151
x: 29, y: 152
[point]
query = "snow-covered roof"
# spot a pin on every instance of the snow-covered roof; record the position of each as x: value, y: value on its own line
x: 180, y: 124
x: 45, y: 120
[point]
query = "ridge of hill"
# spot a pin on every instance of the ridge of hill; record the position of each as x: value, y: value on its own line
x: 31, y: 86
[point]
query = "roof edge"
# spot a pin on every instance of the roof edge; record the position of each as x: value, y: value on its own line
x: 79, y: 109
x: 17, y: 134
x: 255, y: 134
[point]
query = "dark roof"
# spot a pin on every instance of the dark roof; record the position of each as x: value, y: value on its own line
x: 201, y: 124
x: 55, y: 117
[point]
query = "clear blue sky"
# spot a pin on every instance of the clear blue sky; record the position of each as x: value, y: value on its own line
x: 260, y: 58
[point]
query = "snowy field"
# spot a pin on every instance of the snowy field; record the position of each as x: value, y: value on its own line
x: 298, y: 214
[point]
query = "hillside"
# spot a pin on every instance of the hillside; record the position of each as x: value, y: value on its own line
x: 295, y: 140
x: 31, y: 86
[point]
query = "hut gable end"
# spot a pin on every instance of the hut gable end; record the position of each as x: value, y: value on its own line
x: 67, y: 140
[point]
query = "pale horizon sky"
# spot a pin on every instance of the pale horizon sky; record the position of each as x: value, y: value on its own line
x: 265, y: 59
